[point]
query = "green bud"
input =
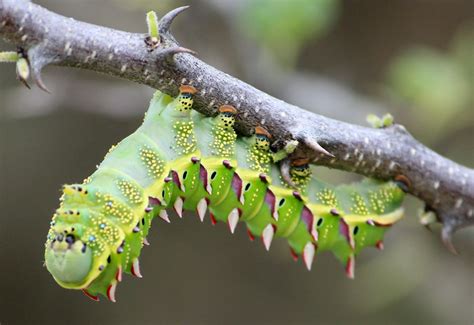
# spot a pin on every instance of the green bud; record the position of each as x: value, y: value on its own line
x: 387, y: 120
x: 152, y: 22
x: 374, y: 121
x: 22, y: 69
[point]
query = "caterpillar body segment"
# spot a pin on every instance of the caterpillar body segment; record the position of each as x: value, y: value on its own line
x: 178, y: 159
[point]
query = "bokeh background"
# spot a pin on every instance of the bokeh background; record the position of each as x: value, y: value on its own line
x: 343, y: 59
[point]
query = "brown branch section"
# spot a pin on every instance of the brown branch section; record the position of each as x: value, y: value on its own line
x: 48, y: 38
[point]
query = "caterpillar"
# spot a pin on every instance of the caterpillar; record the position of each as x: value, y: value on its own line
x: 183, y: 160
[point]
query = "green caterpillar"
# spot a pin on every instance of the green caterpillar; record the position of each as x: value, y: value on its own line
x: 181, y: 159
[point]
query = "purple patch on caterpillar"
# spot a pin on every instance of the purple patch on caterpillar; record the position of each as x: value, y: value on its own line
x: 237, y: 185
x: 153, y: 201
x: 307, y: 217
x: 203, y: 177
x: 176, y: 180
x: 270, y: 201
x: 344, y: 230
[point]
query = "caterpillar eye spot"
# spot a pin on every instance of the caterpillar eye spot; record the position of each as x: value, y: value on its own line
x: 282, y: 201
x: 356, y: 230
x: 109, y: 259
x: 247, y: 187
x: 320, y: 222
x: 213, y: 175
x: 185, y: 174
x: 143, y: 221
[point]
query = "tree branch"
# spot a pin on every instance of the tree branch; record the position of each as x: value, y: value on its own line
x: 47, y: 38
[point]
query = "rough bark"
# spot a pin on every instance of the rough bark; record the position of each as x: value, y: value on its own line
x: 446, y: 187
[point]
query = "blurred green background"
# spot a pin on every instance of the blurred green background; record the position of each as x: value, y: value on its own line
x: 343, y: 59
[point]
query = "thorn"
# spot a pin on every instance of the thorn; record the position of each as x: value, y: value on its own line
x: 118, y: 276
x: 447, y: 237
x: 164, y: 215
x: 350, y: 265
x: 213, y: 219
x: 201, y: 209
x: 165, y: 22
x: 233, y: 219
x: 195, y: 160
x: 111, y: 291
x: 38, y: 58
x: 168, y: 53
x: 293, y: 254
x: 334, y: 212
x: 313, y: 144
x: 308, y: 255
x: 145, y: 241
x: 178, y: 206
x: 379, y: 245
x: 251, y: 236
x: 136, y: 268
x: 370, y: 222
x: 285, y: 172
x: 267, y: 236
x: 95, y: 298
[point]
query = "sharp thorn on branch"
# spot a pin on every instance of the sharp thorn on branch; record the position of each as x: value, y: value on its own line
x: 313, y: 144
x: 168, y: 53
x: 285, y: 172
x: 38, y: 58
x: 165, y: 23
x: 447, y: 237
x: 36, y: 75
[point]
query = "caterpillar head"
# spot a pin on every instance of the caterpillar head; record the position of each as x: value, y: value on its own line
x: 67, y: 256
x: 226, y: 117
x: 300, y: 168
x: 262, y: 138
x: 185, y: 99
